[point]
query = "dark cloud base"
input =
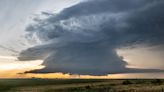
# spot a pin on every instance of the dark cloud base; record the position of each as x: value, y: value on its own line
x: 98, y: 73
x: 83, y: 39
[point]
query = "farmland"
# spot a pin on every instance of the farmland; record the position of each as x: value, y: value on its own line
x: 81, y: 85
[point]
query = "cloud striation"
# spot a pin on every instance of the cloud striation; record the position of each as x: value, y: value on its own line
x: 83, y: 38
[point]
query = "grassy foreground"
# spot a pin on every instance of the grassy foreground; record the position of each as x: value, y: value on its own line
x: 81, y: 85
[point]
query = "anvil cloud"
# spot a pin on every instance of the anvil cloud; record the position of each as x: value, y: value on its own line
x: 83, y: 39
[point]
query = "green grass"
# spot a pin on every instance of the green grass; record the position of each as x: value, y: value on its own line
x: 81, y: 85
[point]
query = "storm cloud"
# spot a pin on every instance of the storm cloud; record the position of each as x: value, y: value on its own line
x: 83, y: 38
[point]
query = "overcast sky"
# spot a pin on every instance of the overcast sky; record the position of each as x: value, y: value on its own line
x: 84, y: 37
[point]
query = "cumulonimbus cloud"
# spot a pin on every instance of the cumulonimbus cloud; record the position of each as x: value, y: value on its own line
x: 83, y: 39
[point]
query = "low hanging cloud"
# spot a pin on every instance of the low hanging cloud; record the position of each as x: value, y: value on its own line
x: 83, y: 38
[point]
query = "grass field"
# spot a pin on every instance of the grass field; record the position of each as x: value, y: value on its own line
x: 81, y: 85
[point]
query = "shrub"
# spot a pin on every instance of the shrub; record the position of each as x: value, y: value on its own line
x: 126, y: 82
x: 140, y: 81
x: 156, y: 81
x: 88, y: 87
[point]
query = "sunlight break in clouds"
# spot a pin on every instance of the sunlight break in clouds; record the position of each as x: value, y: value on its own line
x: 11, y: 63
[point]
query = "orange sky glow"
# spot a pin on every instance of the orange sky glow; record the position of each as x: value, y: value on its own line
x: 10, y: 67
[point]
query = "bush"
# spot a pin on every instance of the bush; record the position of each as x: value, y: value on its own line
x: 87, y: 87
x: 140, y: 81
x: 126, y: 82
x: 157, y: 81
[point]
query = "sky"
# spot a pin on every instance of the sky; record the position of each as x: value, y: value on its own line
x: 81, y: 38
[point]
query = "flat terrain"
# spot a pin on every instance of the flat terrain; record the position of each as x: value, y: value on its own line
x: 81, y: 85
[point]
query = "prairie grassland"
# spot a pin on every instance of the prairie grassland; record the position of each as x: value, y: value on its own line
x: 81, y: 85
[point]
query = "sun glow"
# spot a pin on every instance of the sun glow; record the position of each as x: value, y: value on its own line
x: 10, y: 63
x: 18, y: 65
x: 10, y: 66
x: 8, y: 57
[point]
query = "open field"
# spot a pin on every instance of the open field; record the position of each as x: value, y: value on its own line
x: 81, y: 85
